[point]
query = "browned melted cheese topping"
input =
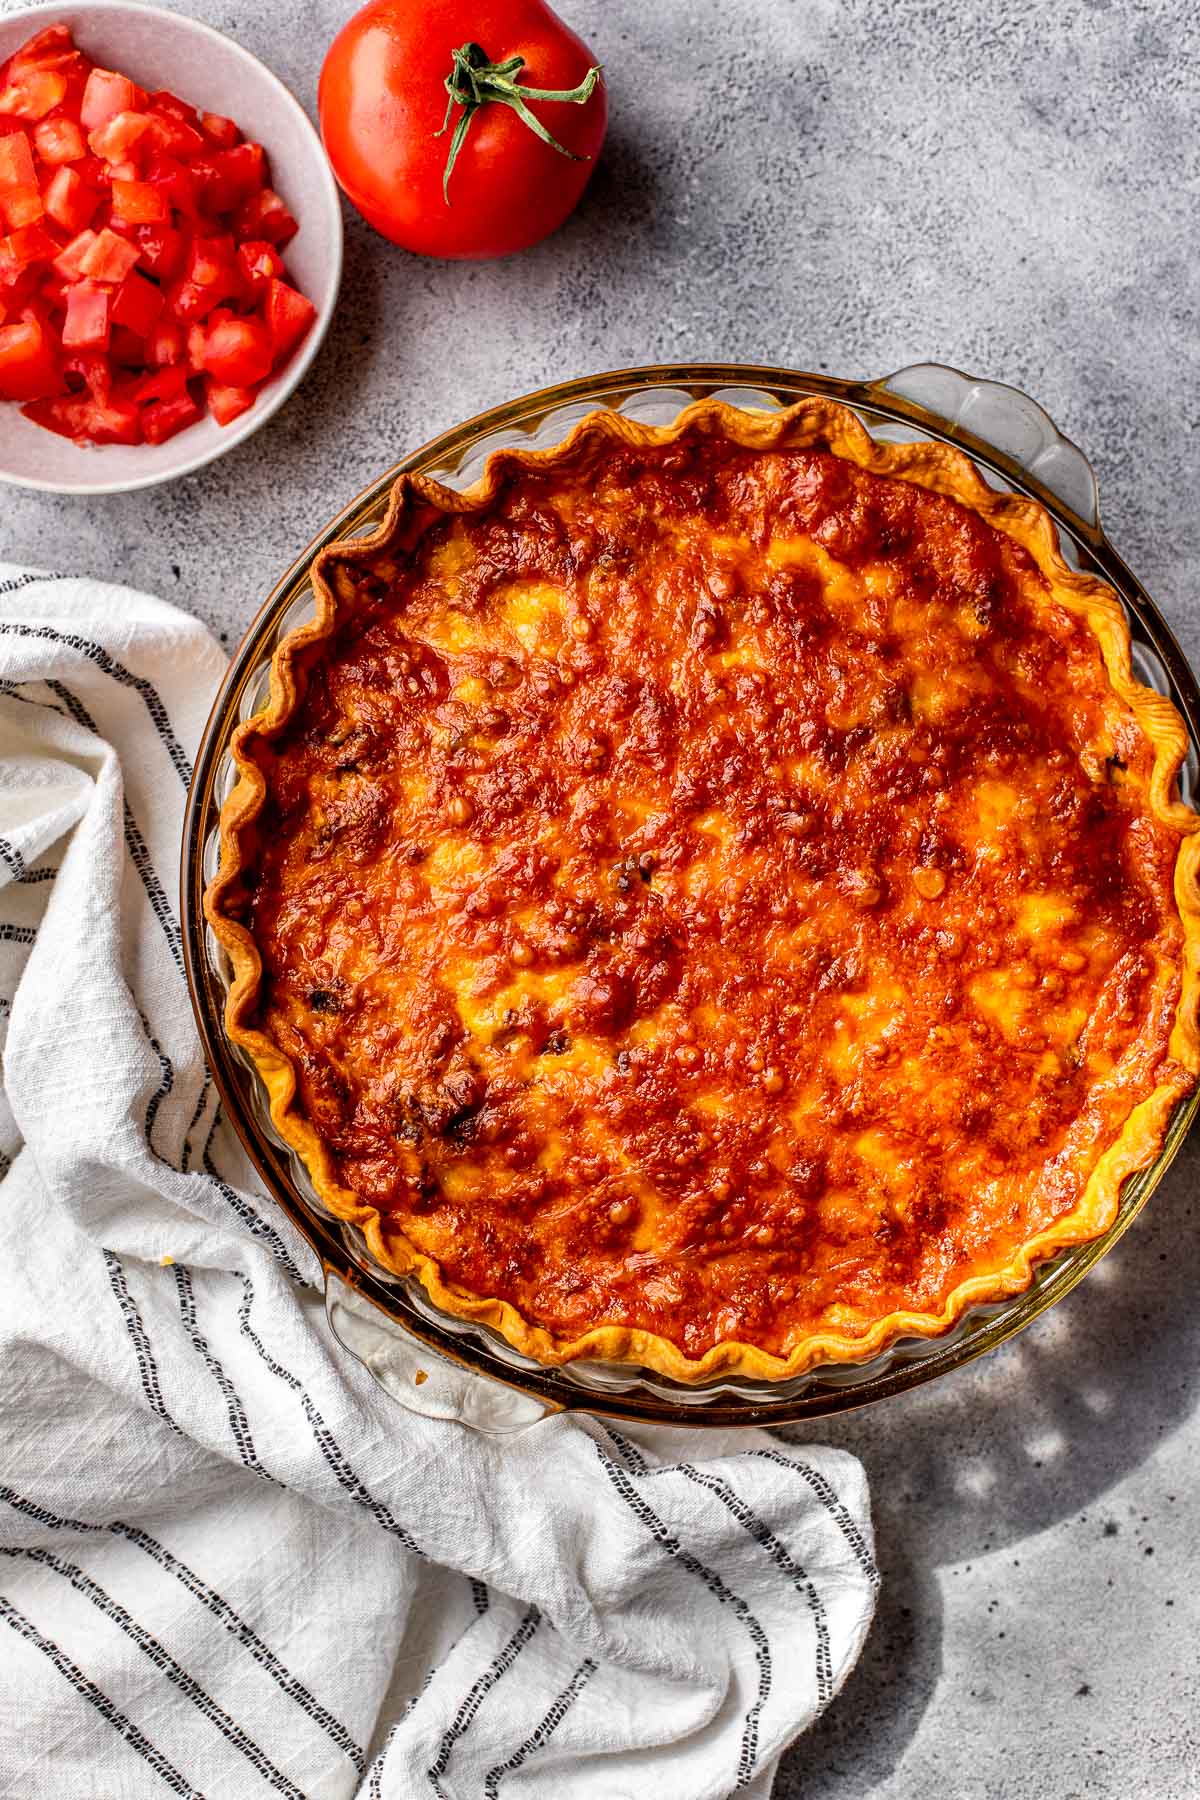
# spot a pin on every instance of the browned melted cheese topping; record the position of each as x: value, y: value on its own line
x: 715, y: 893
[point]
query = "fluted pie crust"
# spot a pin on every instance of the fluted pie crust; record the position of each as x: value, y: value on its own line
x: 912, y: 1224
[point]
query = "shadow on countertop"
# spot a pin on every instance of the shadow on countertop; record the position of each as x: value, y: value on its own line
x: 1027, y: 1437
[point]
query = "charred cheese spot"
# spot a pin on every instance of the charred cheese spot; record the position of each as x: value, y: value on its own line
x: 715, y: 892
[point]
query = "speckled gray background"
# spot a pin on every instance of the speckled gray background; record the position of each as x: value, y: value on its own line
x: 1000, y: 184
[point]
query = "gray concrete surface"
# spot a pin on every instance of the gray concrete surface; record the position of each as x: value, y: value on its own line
x: 1012, y: 188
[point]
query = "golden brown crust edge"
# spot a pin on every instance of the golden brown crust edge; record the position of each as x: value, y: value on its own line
x: 414, y: 501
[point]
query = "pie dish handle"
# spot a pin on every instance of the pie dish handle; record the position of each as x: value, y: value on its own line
x: 1010, y: 422
x: 423, y: 1381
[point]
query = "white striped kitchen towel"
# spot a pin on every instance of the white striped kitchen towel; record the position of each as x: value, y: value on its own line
x: 230, y: 1565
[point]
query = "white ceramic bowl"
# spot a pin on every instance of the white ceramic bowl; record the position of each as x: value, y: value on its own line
x: 167, y: 50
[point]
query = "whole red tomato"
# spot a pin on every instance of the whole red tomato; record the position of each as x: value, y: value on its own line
x: 412, y: 87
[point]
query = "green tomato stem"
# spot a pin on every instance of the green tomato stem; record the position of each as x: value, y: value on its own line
x: 474, y: 80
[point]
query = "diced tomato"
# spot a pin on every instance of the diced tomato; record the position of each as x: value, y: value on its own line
x: 33, y: 94
x: 49, y: 290
x: 58, y: 140
x: 263, y: 215
x: 175, y: 181
x: 69, y: 261
x: 26, y: 291
x: 222, y: 132
x: 23, y: 249
x: 166, y: 383
x: 161, y: 248
x: 242, y: 169
x: 92, y: 369
x: 238, y: 352
x: 88, y: 321
x: 212, y: 263
x: 115, y: 423
x: 163, y: 418
x: 74, y: 70
x: 171, y: 106
x: 49, y: 47
x: 140, y: 203
x: 93, y: 170
x: 29, y: 366
x: 69, y: 201
x: 164, y: 345
x: 214, y: 192
x: 110, y: 258
x: 37, y: 306
x: 20, y: 200
x: 106, y: 95
x: 127, y: 350
x: 210, y: 274
x: 289, y: 316
x: 257, y: 263
x: 190, y: 303
x: 197, y: 343
x: 137, y: 304
x: 117, y: 136
x: 88, y: 420
x: 13, y: 294
x: 170, y: 136
x: 227, y: 403
x: 51, y: 415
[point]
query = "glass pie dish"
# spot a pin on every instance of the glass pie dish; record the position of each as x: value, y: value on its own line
x: 446, y: 1366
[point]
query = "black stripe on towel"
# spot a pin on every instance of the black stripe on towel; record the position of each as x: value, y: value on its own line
x: 326, y: 1443
x: 632, y: 1455
x: 375, y: 1791
x: 541, y: 1734
x: 147, y: 1367
x: 167, y: 1666
x: 125, y: 1728
x: 135, y: 843
x: 166, y: 1083
x: 12, y: 857
x: 762, y: 1535
x: 796, y: 1573
x: 834, y: 1506
x: 32, y: 578
x: 663, y: 1535
x: 29, y: 579
x: 97, y: 654
x: 480, y: 1597
x: 201, y: 1103
x: 255, y: 1224
x: 239, y: 1424
x: 11, y: 691
x: 155, y: 893
x: 212, y: 1601
x: 496, y: 1671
